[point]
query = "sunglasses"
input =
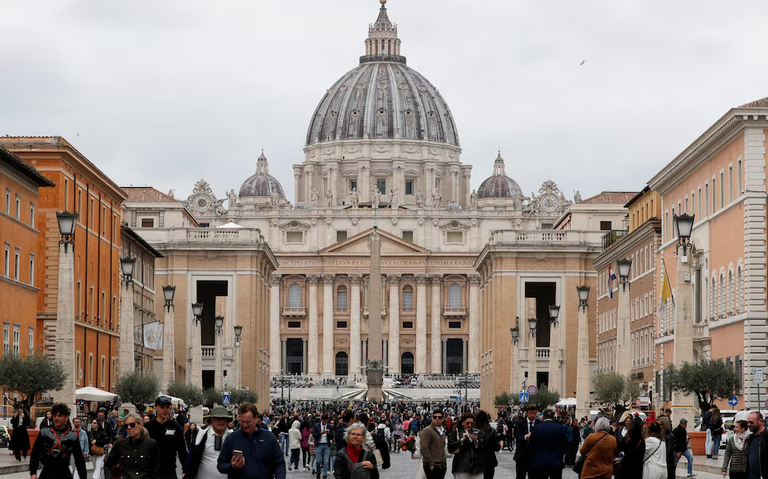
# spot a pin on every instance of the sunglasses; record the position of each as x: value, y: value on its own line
x: 130, y: 425
x: 437, y: 417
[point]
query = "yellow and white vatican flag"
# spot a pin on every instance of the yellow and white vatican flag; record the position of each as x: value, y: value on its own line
x: 153, y: 335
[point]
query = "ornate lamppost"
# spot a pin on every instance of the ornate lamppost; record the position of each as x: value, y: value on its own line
x: 126, y: 355
x: 219, y: 380
x: 583, y: 379
x: 169, y: 366
x: 65, y: 308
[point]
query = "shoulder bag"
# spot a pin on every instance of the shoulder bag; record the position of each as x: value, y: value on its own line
x: 582, y: 459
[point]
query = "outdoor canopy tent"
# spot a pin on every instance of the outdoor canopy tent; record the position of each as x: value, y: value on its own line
x: 94, y: 394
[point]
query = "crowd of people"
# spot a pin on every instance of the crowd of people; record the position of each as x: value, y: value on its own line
x: 355, y: 440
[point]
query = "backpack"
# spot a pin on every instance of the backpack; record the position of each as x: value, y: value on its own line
x: 414, y: 425
x: 356, y: 469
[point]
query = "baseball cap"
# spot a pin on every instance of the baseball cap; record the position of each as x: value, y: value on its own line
x: 162, y: 400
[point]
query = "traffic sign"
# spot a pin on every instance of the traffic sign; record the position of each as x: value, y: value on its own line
x: 523, y: 398
x: 757, y: 376
x: 532, y: 389
x: 225, y: 395
x: 733, y: 401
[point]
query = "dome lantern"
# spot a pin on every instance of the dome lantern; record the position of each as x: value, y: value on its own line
x: 262, y: 183
x: 382, y: 43
x: 499, y: 185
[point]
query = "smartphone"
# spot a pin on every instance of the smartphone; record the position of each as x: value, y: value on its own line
x: 237, y: 452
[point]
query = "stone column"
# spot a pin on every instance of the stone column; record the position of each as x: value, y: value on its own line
x: 328, y: 369
x: 297, y: 186
x: 169, y: 368
x: 365, y: 352
x: 219, y: 373
x: 284, y: 356
x: 354, y: 326
x: 436, y: 344
x: 474, y: 323
x: 313, y: 326
x: 274, y: 325
x: 125, y: 357
x: 394, y: 321
x: 385, y: 352
x: 515, y: 381
x: 583, y: 379
x: 304, y: 355
x: 682, y: 404
x: 65, y: 326
x: 530, y: 312
x: 554, y: 359
x: 421, y: 324
x: 464, y: 347
x: 197, y: 355
x: 444, y: 354
x: 237, y: 380
x: 623, y: 345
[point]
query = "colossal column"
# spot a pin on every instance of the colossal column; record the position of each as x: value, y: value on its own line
x: 354, y: 326
x: 394, y: 323
x: 436, y: 343
x: 274, y: 325
x: 313, y: 326
x: 421, y: 324
x: 328, y: 370
x: 474, y: 323
x: 682, y: 404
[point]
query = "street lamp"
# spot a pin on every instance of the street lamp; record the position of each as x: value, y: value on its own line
x: 532, y: 325
x: 583, y: 292
x: 684, y: 227
x: 238, y: 371
x: 67, y: 222
x: 218, y: 321
x: 168, y: 293
x: 127, y: 265
x: 625, y: 266
x: 554, y: 312
x: 197, y: 353
x: 197, y: 312
x: 515, y: 331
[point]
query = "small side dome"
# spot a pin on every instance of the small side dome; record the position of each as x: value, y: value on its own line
x: 262, y: 183
x: 499, y: 185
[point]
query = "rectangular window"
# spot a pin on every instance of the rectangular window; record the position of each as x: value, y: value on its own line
x: 455, y: 237
x: 147, y: 222
x: 66, y: 195
x: 80, y: 217
x: 32, y: 270
x: 547, y: 226
x: 294, y: 236
x: 78, y: 301
x: 79, y: 360
x: 103, y: 306
x: 407, y: 324
x: 8, y: 202
x: 698, y: 207
x: 739, y: 366
x: 114, y: 228
x: 16, y: 339
x: 103, y: 223
x: 738, y: 177
x: 90, y: 225
x: 6, y: 338
x: 32, y: 215
x: 352, y: 185
x: 686, y: 205
x: 605, y: 226
x: 706, y: 199
x: 16, y: 264
x: 294, y: 324
x: 90, y: 369
x: 341, y: 236
x: 31, y: 341
x: 341, y: 325
x: 714, y: 194
x: 722, y: 190
x: 382, y: 186
x: 730, y: 184
x: 18, y: 207
x: 7, y: 262
x: 408, y: 187
x: 454, y: 324
x: 408, y: 236
x: 102, y: 371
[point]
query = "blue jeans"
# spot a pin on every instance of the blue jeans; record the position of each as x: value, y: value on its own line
x: 688, y: 456
x: 322, y: 456
x: 284, y: 443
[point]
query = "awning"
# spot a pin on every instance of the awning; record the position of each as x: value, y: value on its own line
x: 94, y: 394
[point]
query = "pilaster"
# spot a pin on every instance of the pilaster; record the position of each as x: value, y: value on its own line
x: 313, y: 280
x: 421, y: 324
x: 438, y: 364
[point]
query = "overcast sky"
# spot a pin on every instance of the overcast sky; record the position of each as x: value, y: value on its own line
x: 163, y: 93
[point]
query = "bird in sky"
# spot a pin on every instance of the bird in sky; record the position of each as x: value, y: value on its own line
x: 582, y: 63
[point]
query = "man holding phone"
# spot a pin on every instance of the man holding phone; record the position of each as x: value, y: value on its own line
x: 250, y: 451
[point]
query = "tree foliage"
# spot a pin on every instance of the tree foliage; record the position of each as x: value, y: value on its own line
x: 138, y: 389
x: 616, y: 390
x: 708, y: 380
x: 30, y: 376
x: 543, y: 399
x: 189, y: 393
x: 502, y: 399
x: 211, y: 397
x: 240, y: 396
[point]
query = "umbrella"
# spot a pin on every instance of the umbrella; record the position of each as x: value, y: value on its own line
x: 94, y: 394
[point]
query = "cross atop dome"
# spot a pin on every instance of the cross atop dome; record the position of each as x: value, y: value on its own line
x: 382, y: 43
x: 498, y: 166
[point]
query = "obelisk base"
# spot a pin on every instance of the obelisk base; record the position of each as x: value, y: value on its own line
x: 375, y: 384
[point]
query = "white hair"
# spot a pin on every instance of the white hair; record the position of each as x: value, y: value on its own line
x: 368, y: 443
x: 602, y: 424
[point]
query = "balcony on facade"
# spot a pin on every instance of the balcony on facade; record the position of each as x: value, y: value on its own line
x: 542, y: 356
x: 454, y: 312
x: 544, y: 237
x: 383, y: 311
x: 294, y: 312
x: 613, y: 236
x: 209, y: 356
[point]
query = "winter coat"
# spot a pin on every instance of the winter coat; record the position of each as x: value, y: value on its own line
x: 20, y: 436
x: 138, y: 459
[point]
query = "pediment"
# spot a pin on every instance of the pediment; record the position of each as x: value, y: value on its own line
x: 359, y: 244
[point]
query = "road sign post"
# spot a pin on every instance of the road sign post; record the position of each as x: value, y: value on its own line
x: 757, y: 380
x: 524, y: 398
x: 225, y: 398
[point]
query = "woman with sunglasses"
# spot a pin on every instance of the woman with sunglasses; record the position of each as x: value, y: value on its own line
x: 463, y: 443
x: 137, y: 456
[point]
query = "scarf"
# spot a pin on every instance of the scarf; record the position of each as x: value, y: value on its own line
x: 739, y: 439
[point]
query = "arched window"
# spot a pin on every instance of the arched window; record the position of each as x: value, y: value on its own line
x: 342, y: 364
x: 294, y: 296
x: 713, y: 299
x: 721, y: 297
x: 407, y: 296
x: 454, y: 296
x: 341, y: 297
x: 730, y: 291
x: 739, y: 290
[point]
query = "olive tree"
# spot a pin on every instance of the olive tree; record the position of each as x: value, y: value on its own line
x: 616, y: 390
x: 138, y: 389
x: 30, y: 376
x: 708, y: 380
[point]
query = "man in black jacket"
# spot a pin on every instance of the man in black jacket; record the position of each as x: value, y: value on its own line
x: 523, y: 431
x: 284, y: 425
x: 54, y: 446
x: 681, y: 445
x: 341, y: 429
x: 756, y: 446
x: 169, y: 437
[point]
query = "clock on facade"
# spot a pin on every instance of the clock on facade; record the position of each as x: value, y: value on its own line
x: 549, y: 203
x: 202, y: 202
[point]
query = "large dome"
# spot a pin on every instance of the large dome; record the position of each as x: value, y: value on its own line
x: 383, y: 98
x: 262, y: 183
x: 499, y: 185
